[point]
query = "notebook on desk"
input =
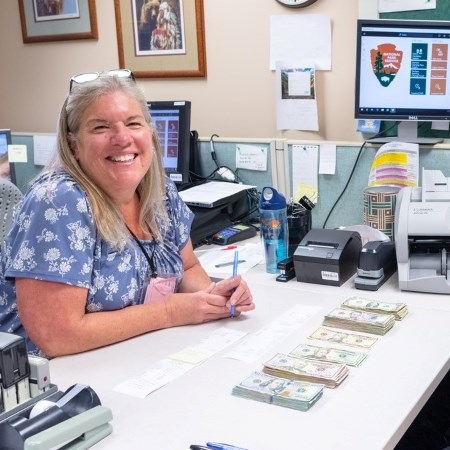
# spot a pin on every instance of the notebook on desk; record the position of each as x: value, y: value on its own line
x: 213, y: 194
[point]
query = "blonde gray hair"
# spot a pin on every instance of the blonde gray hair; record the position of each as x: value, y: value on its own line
x: 151, y: 189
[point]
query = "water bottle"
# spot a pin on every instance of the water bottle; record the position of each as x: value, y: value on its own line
x: 274, y: 230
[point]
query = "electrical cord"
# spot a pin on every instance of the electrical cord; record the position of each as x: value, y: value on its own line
x: 353, y: 171
x: 253, y: 206
x: 199, y: 179
x: 346, y: 185
x: 213, y: 150
x: 223, y: 172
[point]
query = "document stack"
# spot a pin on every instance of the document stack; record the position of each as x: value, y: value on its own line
x: 329, y: 354
x: 399, y: 310
x: 279, y: 391
x: 356, y: 320
x: 304, y: 369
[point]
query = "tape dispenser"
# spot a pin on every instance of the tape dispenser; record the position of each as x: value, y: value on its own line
x: 34, y: 414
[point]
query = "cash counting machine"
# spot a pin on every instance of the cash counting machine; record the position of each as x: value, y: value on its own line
x: 422, y: 235
x: 34, y: 414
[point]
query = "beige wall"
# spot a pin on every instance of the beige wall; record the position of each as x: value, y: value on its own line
x: 236, y: 99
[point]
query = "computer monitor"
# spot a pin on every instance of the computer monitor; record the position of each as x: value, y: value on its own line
x: 172, y: 120
x: 403, y: 74
x: 5, y: 140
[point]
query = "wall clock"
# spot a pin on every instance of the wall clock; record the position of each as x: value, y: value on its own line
x: 296, y: 3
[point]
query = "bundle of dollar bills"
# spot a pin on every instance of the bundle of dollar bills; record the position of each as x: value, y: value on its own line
x: 356, y: 320
x: 305, y: 369
x: 279, y: 391
x: 399, y: 310
x: 329, y: 354
x: 339, y: 337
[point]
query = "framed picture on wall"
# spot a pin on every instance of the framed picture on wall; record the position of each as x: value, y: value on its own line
x: 57, y: 20
x: 161, y: 38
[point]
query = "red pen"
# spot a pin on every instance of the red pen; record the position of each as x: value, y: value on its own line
x: 228, y: 247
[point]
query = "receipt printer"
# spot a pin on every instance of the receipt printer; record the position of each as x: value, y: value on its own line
x: 326, y: 256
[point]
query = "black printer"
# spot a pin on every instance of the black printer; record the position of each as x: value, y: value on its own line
x: 327, y: 256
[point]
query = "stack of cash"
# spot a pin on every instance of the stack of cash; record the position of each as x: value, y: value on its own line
x: 399, y: 310
x: 299, y: 395
x: 355, y: 320
x: 329, y: 354
x: 279, y: 391
x: 304, y: 369
x: 339, y: 337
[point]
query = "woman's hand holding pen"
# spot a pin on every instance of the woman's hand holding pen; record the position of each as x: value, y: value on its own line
x: 237, y: 292
x: 211, y: 303
x: 200, y: 300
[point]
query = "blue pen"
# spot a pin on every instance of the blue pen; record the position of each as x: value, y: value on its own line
x: 221, y: 446
x: 235, y: 268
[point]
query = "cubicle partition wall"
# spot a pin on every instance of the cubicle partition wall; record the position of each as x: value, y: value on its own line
x: 349, y: 209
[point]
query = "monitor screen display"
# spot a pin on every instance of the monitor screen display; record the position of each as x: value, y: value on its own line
x: 7, y: 170
x: 172, y: 122
x: 5, y: 140
x: 402, y: 70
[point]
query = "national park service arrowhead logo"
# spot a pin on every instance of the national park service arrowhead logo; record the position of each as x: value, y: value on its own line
x: 386, y: 61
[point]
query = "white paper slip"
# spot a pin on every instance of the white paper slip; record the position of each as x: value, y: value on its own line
x: 214, y: 343
x: 251, y: 254
x: 156, y: 376
x: 266, y: 338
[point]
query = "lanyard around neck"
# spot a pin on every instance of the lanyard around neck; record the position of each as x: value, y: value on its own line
x: 149, y: 258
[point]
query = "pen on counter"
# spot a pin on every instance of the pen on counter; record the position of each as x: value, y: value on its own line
x: 222, y: 446
x: 215, y: 446
x: 229, y: 263
x: 228, y: 247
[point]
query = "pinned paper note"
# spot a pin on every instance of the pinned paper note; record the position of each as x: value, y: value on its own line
x: 327, y: 164
x: 44, y: 148
x: 296, y: 97
x: 305, y: 179
x: 17, y: 153
x: 251, y: 157
x: 307, y: 36
x: 388, y: 6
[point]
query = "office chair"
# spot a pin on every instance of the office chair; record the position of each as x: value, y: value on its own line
x: 10, y: 196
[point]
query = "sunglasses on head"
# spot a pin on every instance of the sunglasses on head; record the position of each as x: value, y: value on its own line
x: 91, y: 76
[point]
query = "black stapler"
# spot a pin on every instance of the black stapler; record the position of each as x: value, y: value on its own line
x: 287, y: 270
x: 377, y: 262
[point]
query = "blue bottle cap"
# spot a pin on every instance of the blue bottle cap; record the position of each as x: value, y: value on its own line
x: 271, y: 199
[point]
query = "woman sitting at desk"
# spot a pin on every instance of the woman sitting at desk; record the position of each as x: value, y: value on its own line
x: 99, y: 251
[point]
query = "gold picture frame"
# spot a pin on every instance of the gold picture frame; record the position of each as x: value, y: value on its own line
x: 42, y: 23
x: 172, y: 44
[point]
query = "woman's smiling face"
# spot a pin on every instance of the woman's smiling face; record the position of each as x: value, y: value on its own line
x: 114, y: 144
